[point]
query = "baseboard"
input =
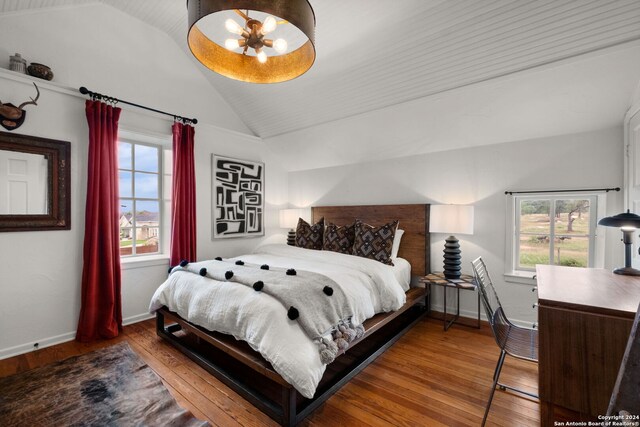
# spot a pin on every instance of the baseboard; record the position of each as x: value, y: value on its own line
x: 137, y: 318
x: 17, y: 350
x: 472, y: 315
x: 5, y: 353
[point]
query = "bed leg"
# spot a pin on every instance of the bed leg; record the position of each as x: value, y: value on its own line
x: 289, y: 400
x: 159, y: 322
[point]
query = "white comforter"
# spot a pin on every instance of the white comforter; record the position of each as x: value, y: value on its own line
x: 262, y: 321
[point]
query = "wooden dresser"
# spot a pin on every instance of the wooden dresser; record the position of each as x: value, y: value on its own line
x: 585, y: 317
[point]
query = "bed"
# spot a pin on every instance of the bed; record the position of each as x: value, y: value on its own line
x: 279, y: 388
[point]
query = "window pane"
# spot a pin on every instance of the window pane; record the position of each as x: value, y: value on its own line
x: 147, y: 240
x: 146, y: 158
x: 572, y: 216
x: 146, y: 185
x: 126, y: 213
x: 125, y: 184
x: 147, y: 214
x: 571, y: 251
x: 534, y: 216
x: 124, y: 155
x: 126, y: 241
x: 534, y: 249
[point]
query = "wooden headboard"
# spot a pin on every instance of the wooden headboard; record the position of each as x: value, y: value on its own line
x: 414, y: 220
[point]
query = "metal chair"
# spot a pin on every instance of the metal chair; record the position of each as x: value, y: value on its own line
x: 516, y: 341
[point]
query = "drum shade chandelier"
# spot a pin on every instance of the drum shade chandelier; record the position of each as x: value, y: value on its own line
x: 256, y: 48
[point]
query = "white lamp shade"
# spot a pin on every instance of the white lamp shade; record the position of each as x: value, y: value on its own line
x: 289, y: 217
x: 451, y: 219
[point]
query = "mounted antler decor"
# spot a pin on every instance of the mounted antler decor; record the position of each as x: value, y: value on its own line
x: 12, y: 117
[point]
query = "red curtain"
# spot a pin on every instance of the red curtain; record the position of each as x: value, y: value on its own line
x: 183, y: 201
x: 101, y: 311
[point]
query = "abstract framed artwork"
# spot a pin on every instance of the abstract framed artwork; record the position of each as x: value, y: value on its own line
x: 238, y: 198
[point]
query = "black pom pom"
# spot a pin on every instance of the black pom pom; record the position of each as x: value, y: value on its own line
x: 264, y: 267
x: 228, y: 275
x: 218, y: 258
x: 328, y: 290
x: 203, y: 272
x: 291, y: 272
x: 258, y: 285
x: 293, y: 313
x: 239, y: 262
x: 184, y: 263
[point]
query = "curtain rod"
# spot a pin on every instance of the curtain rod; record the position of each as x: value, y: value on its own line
x: 85, y: 91
x: 591, y: 190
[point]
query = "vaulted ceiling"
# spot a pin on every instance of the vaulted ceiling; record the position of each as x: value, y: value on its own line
x: 373, y: 54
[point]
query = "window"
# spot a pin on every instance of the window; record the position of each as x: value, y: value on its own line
x: 144, y: 191
x: 556, y: 229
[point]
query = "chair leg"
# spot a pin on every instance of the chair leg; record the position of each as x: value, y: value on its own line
x: 496, y: 376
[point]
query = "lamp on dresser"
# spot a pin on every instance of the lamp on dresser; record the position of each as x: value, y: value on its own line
x: 451, y: 219
x: 627, y: 222
x: 289, y: 219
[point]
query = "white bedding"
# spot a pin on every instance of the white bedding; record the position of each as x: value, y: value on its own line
x: 261, y: 320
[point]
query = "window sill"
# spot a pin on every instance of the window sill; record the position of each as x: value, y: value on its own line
x: 522, y: 277
x: 144, y: 261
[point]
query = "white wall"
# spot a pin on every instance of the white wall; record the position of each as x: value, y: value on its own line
x: 41, y: 271
x: 477, y: 176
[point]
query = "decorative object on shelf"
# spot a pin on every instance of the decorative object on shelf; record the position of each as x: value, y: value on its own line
x: 18, y: 64
x: 40, y: 71
x: 238, y: 198
x: 451, y: 219
x: 628, y: 223
x: 12, y: 117
x: 289, y: 219
x: 253, y: 57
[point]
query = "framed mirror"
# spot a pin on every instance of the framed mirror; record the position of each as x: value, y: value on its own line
x: 35, y: 183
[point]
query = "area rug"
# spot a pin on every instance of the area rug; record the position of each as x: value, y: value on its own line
x: 108, y: 387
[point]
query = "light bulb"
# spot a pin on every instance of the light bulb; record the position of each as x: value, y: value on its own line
x: 233, y: 27
x: 262, y: 57
x: 280, y: 45
x: 231, y: 44
x: 269, y: 25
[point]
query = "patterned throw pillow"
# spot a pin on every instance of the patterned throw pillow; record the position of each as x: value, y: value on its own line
x: 339, y: 239
x: 309, y: 236
x: 374, y: 242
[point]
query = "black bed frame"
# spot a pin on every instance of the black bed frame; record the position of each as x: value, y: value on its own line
x: 246, y: 372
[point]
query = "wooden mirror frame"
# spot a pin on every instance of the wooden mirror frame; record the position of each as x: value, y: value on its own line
x: 58, y: 155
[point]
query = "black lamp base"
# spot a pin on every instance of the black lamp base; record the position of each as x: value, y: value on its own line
x: 452, y: 258
x: 628, y: 271
x: 291, y: 238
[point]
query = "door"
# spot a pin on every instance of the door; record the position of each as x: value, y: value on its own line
x: 632, y: 166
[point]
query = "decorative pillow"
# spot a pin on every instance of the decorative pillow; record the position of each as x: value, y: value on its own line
x: 309, y: 236
x: 375, y: 242
x: 396, y: 243
x: 339, y: 239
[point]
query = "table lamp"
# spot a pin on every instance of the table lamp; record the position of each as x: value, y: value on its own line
x: 628, y: 223
x: 289, y: 219
x: 451, y: 219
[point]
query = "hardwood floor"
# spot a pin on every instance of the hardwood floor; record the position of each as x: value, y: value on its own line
x: 428, y: 378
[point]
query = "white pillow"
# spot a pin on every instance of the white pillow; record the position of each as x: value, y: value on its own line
x: 396, y: 243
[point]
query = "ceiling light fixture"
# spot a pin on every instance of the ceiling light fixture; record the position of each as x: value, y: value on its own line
x: 253, y: 57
